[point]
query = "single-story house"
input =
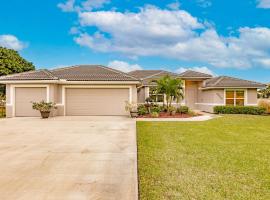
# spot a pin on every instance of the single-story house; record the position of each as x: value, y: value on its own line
x: 98, y: 90
x: 201, y: 91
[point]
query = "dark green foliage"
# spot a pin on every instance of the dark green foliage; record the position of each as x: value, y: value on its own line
x: 142, y: 110
x: 250, y: 110
x: 183, y: 110
x: 11, y: 62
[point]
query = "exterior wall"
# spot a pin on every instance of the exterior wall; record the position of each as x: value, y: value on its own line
x: 207, y: 99
x: 252, y: 97
x: 141, y: 95
x: 191, y: 93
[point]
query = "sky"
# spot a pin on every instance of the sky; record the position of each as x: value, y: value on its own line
x: 220, y: 37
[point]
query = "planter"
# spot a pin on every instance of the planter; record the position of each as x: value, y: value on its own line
x: 45, y: 115
x: 134, y: 114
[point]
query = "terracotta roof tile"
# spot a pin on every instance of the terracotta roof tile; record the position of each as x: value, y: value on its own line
x: 194, y: 74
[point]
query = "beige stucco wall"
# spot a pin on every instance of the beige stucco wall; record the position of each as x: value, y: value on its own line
x: 191, y: 93
x: 207, y: 99
x: 252, y: 96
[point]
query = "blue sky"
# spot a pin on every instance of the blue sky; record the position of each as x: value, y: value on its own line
x: 223, y: 37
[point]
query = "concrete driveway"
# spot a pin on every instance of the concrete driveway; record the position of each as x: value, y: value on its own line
x: 68, y: 158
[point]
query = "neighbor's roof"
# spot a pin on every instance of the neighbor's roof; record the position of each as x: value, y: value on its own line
x: 194, y: 74
x: 230, y: 82
x: 74, y: 73
x: 147, y: 76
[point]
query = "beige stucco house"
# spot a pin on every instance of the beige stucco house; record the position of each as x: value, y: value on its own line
x: 98, y: 90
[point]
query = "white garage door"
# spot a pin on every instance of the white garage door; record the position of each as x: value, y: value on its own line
x: 80, y: 102
x: 24, y: 98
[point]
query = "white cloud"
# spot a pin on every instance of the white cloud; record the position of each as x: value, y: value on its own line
x: 263, y: 4
x: 123, y: 66
x: 174, y: 6
x: 11, y: 42
x: 87, y: 5
x: 68, y: 6
x: 173, y: 34
x: 203, y: 69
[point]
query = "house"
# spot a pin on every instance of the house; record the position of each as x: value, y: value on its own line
x: 98, y: 90
x: 201, y: 91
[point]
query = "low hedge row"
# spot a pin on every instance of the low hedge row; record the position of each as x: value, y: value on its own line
x: 250, y: 110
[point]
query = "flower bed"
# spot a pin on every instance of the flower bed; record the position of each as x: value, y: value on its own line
x: 167, y: 115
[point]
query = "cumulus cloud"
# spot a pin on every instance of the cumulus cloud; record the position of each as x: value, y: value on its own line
x: 263, y: 4
x: 123, y: 66
x: 11, y: 42
x: 79, y: 6
x: 202, y: 69
x: 173, y: 34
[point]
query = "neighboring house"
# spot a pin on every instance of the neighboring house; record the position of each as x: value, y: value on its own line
x: 99, y: 90
x: 202, y: 91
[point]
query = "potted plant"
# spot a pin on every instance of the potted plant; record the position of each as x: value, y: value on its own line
x: 132, y: 108
x: 44, y: 108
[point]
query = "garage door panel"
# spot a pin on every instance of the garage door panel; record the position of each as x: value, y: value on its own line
x: 96, y: 101
x: 24, y: 98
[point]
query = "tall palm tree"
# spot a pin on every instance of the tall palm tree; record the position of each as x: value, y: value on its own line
x: 172, y: 88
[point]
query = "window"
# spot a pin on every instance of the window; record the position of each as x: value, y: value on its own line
x: 235, y: 97
x: 155, y: 97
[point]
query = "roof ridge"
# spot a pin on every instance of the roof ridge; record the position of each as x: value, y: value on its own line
x: 242, y: 79
x: 153, y: 74
x: 64, y: 68
x: 218, y: 79
x: 48, y: 72
x: 117, y: 71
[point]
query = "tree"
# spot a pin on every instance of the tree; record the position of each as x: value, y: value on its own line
x: 11, y: 62
x: 264, y: 93
x: 172, y: 88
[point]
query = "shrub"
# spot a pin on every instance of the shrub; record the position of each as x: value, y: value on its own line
x: 142, y: 110
x: 264, y: 103
x: 183, y: 110
x: 44, y: 106
x: 155, y: 108
x: 154, y: 114
x: 251, y: 110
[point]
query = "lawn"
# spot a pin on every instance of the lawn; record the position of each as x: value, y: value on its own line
x: 224, y: 158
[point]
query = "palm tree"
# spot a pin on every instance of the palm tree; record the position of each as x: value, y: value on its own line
x: 172, y: 88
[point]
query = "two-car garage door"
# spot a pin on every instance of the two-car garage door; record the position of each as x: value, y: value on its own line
x: 96, y: 101
x: 78, y: 101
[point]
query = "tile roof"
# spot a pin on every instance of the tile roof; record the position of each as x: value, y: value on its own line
x: 42, y: 74
x: 147, y: 76
x: 74, y: 73
x: 194, y: 74
x: 229, y: 82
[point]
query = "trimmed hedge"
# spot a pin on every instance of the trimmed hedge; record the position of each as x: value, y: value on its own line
x: 249, y: 110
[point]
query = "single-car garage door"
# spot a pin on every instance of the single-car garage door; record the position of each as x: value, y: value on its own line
x: 86, y: 101
x: 24, y: 98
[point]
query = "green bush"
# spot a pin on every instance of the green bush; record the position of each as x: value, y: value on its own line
x: 183, y: 110
x: 250, y: 110
x: 155, y: 108
x: 142, y: 110
x: 154, y: 114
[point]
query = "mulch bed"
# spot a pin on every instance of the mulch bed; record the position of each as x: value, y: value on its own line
x: 167, y: 115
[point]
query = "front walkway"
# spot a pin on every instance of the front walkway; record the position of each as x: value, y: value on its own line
x: 68, y: 158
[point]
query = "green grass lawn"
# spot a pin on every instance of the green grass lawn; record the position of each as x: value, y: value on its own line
x: 224, y: 158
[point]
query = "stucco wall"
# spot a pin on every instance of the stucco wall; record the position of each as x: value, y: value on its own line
x: 252, y: 96
x: 191, y: 93
x: 141, y: 95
